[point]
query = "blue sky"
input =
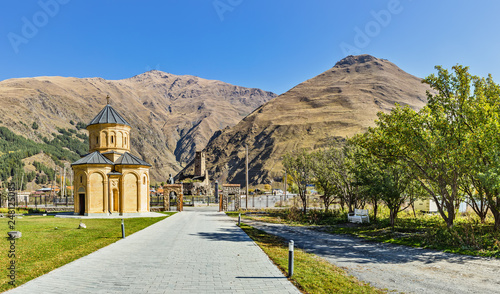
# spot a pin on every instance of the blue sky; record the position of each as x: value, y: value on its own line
x: 272, y: 45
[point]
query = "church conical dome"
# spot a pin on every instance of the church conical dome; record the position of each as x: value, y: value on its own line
x: 109, y: 133
x: 108, y: 115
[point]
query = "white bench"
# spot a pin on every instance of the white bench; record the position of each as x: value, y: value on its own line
x: 358, y: 216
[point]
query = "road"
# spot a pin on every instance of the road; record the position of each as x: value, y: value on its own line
x: 395, y: 267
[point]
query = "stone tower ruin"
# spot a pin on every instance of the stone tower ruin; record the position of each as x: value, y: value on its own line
x: 199, y: 164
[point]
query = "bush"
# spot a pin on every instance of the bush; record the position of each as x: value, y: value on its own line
x: 80, y: 125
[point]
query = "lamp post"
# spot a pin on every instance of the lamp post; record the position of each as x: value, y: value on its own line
x: 246, y: 176
x: 290, y: 259
x: 123, y: 229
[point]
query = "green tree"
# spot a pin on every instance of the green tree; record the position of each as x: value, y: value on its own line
x: 324, y: 175
x: 482, y: 119
x: 34, y: 126
x: 382, y: 179
x: 428, y: 145
x: 298, y: 166
x: 450, y: 146
x: 4, y: 196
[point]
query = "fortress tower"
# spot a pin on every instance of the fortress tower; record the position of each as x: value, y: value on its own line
x: 199, y: 164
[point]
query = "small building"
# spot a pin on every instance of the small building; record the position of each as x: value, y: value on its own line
x: 110, y: 179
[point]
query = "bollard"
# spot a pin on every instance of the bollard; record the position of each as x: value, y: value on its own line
x: 239, y: 220
x: 290, y: 259
x: 123, y: 229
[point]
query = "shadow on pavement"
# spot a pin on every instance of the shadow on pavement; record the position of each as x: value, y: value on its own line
x: 357, y: 250
x: 232, y: 234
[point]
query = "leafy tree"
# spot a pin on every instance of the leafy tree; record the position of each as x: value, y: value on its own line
x: 344, y: 180
x: 4, y: 196
x: 324, y: 174
x: 367, y: 174
x: 80, y: 125
x: 383, y: 179
x: 34, y: 126
x: 428, y: 146
x: 450, y: 147
x: 298, y: 166
x: 476, y: 196
x: 30, y: 176
x: 481, y: 156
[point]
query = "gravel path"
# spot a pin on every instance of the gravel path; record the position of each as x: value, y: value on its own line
x: 395, y: 267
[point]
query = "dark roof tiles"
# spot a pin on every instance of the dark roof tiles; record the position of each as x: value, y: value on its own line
x: 93, y: 158
x: 129, y: 159
x: 108, y: 116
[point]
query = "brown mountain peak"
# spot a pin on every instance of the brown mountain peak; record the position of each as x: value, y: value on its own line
x: 356, y: 59
x: 339, y: 102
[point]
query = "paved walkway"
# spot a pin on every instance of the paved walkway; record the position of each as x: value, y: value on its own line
x: 395, y: 267
x: 199, y: 251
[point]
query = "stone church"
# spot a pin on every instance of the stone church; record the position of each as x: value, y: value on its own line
x: 110, y: 180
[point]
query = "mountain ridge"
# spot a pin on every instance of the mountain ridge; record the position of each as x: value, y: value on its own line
x: 171, y: 115
x: 338, y: 103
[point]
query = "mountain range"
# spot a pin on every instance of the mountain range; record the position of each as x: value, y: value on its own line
x: 171, y: 116
x: 338, y: 103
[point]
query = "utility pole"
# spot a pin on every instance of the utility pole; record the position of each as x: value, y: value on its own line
x: 246, y: 175
x: 64, y: 182
x: 286, y: 179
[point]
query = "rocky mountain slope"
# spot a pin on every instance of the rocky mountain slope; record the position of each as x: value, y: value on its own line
x: 340, y: 102
x: 172, y: 116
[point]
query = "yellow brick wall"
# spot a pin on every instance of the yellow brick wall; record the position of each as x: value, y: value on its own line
x: 96, y: 193
x: 130, y: 192
x: 111, y: 137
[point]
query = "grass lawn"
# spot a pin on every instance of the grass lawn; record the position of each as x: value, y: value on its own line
x: 312, y: 274
x: 48, y: 242
x: 468, y: 236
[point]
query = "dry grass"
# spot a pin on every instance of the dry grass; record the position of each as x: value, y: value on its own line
x: 312, y: 274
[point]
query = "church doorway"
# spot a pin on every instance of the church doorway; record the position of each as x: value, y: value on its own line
x: 81, y: 200
x: 116, y: 201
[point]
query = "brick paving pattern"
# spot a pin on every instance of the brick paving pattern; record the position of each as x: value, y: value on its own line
x: 200, y: 251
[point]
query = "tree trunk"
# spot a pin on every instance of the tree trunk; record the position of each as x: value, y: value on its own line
x: 375, y: 208
x: 304, y: 203
x: 327, y: 204
x: 392, y: 215
x: 496, y: 215
x: 451, y: 216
